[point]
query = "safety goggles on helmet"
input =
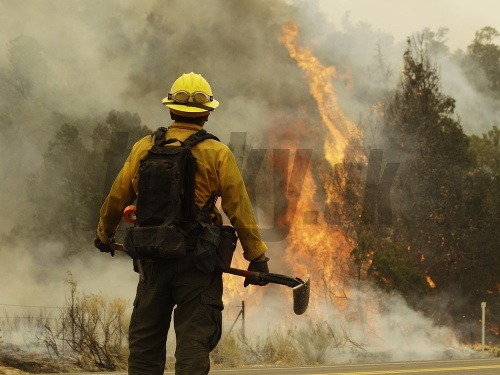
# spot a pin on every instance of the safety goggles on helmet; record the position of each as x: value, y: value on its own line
x: 191, y: 93
x: 182, y: 97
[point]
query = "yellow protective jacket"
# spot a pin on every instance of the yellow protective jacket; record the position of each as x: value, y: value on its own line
x: 216, y: 171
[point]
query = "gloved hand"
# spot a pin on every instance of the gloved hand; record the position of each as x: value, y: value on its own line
x: 258, y: 265
x: 104, y: 247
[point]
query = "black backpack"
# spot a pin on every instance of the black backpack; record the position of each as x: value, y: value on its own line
x: 166, y: 208
x: 166, y: 181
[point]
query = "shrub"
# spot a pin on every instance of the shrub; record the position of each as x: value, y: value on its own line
x: 314, y: 341
x: 93, y: 327
x: 228, y: 353
x: 277, y: 347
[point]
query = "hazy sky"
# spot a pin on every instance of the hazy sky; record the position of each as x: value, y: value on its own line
x: 402, y: 18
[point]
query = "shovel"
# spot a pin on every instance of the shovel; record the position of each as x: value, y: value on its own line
x: 301, y: 289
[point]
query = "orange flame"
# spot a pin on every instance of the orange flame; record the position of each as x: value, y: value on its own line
x: 496, y: 330
x: 314, y: 244
x: 430, y: 281
x: 341, y: 130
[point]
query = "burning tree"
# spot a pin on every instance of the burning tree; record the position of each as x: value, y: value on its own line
x: 423, y: 135
x: 434, y: 242
x: 326, y: 203
x: 439, y: 204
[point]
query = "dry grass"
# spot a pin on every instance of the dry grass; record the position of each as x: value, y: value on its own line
x: 25, y: 362
x: 90, y: 334
x: 300, y: 346
x: 10, y: 371
x: 229, y: 353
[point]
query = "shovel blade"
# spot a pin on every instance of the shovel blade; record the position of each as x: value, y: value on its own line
x: 301, y: 294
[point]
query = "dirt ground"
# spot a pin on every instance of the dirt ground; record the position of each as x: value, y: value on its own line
x: 18, y: 362
x: 10, y: 371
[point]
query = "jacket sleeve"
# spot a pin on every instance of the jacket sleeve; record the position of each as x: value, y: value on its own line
x: 238, y: 208
x: 123, y: 192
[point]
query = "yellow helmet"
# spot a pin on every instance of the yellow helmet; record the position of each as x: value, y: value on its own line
x: 191, y: 96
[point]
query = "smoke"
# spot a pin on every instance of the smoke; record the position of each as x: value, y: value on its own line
x: 389, y: 327
x: 478, y: 112
x: 36, y: 275
x: 35, y: 286
x: 89, y: 57
x: 371, y: 326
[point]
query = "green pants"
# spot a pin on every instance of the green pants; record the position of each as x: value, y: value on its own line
x: 197, y: 298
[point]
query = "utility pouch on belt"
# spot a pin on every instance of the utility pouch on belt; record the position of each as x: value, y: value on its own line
x: 156, y: 242
x: 226, y: 248
x: 206, y: 248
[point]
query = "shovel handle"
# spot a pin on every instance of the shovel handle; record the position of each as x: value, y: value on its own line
x: 273, y: 278
x: 116, y: 246
x: 238, y: 272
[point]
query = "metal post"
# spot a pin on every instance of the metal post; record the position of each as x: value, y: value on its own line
x: 243, y: 320
x: 483, y: 317
x: 242, y: 314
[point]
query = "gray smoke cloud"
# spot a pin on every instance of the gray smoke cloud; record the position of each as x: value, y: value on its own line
x: 88, y: 57
x: 478, y: 112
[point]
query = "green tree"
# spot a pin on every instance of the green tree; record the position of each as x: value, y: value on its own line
x: 28, y: 72
x: 25, y: 80
x: 124, y: 128
x: 486, y: 206
x: 396, y: 267
x: 127, y: 122
x: 434, y: 154
x: 65, y: 191
x: 445, y: 196
x: 487, y: 151
x: 436, y: 41
x: 483, y: 60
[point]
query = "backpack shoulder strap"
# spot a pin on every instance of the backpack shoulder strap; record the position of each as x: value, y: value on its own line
x: 199, y: 136
x: 158, y: 136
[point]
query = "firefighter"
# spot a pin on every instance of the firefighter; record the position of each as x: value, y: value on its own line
x: 177, y: 286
